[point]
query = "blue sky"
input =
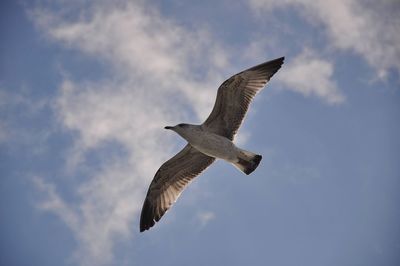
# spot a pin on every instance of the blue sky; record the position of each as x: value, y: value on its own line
x: 86, y: 88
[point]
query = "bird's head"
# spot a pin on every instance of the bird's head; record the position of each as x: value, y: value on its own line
x: 178, y: 127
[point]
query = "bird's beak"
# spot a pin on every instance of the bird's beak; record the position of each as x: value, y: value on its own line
x: 168, y: 127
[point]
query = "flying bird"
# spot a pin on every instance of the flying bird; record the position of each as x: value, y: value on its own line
x: 208, y: 141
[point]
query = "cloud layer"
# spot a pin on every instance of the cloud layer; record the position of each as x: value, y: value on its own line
x: 156, y: 72
x: 310, y: 75
x: 367, y: 28
x: 158, y: 69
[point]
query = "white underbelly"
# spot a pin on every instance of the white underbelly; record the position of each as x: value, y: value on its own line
x: 215, y: 146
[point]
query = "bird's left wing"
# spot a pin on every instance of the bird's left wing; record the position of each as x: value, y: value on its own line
x: 168, y: 183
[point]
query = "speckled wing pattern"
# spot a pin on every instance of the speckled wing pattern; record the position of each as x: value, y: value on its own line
x: 235, y: 95
x: 169, y: 182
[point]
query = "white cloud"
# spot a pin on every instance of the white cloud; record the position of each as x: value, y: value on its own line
x: 152, y: 59
x: 310, y: 75
x: 54, y: 203
x: 205, y: 217
x: 145, y: 48
x: 368, y: 28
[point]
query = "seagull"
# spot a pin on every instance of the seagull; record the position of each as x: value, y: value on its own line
x: 208, y: 141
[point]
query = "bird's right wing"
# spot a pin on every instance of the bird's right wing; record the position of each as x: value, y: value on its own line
x: 168, y: 183
x: 234, y: 97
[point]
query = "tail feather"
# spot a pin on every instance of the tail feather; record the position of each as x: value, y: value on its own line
x: 248, y: 164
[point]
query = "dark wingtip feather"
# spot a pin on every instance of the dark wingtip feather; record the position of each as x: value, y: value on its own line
x: 146, y: 217
x: 269, y: 68
x: 273, y: 64
x: 281, y: 59
x: 277, y: 60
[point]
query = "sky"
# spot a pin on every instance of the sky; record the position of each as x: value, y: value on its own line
x: 86, y: 88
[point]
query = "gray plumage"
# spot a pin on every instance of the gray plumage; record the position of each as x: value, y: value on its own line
x: 213, y: 139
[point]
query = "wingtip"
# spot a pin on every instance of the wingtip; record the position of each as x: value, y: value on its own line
x: 142, y: 229
x: 273, y: 66
x: 280, y: 60
x: 145, y: 226
x: 146, y: 219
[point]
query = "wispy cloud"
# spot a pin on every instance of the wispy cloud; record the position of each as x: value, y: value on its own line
x: 205, y: 217
x: 157, y: 69
x: 310, y: 75
x: 54, y: 203
x: 367, y: 28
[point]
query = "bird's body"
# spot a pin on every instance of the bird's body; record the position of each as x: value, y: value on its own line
x: 208, y: 141
x: 211, y: 144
